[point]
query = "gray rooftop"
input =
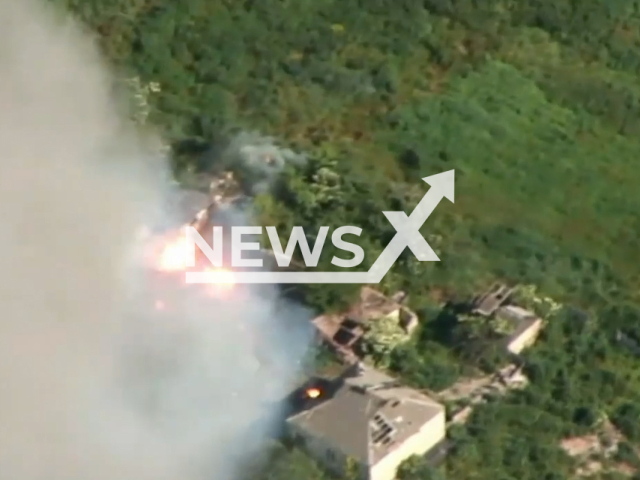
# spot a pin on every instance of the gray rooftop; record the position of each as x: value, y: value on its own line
x: 522, y: 320
x: 368, y: 415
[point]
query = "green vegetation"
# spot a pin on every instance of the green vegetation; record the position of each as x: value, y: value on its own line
x: 536, y: 104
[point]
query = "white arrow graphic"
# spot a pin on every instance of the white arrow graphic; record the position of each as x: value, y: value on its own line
x: 408, y: 235
x: 408, y: 228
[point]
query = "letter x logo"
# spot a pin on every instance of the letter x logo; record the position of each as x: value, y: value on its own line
x: 408, y: 227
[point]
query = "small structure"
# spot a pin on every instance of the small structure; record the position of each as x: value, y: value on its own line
x: 526, y: 327
x: 519, y: 327
x: 365, y: 419
x: 344, y: 331
x: 489, y: 302
x: 374, y: 305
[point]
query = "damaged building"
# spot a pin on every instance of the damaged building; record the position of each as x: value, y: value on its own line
x: 367, y: 420
x: 520, y: 327
x: 344, y: 332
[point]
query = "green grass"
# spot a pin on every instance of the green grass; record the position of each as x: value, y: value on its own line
x: 535, y: 104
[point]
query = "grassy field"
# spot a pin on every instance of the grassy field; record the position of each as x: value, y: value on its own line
x: 535, y: 104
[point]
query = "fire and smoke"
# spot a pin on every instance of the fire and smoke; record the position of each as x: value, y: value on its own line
x: 313, y: 392
x: 167, y: 253
x: 109, y: 371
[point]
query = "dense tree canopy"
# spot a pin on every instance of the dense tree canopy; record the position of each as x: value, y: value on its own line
x: 535, y: 104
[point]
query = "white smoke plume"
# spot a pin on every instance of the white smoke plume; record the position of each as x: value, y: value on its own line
x: 258, y: 158
x: 96, y: 384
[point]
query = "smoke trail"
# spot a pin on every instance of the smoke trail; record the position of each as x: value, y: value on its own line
x: 95, y: 383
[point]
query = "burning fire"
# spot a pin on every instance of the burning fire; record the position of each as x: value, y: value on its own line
x: 169, y: 255
x: 223, y: 276
x: 225, y: 279
x: 172, y: 258
x: 313, y: 392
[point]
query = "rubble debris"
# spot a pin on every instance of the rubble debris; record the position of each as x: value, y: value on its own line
x: 474, y: 391
x: 376, y: 319
x: 487, y: 303
x: 518, y: 326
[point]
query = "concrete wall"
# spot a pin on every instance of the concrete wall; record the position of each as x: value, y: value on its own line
x: 429, y: 436
x: 526, y: 338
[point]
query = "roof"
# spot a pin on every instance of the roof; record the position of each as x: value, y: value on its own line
x: 328, y: 324
x: 523, y: 319
x: 513, y: 312
x: 352, y: 414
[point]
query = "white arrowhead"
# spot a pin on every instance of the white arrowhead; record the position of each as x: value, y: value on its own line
x: 444, y: 182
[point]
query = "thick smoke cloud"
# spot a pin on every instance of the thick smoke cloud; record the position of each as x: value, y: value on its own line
x: 95, y: 382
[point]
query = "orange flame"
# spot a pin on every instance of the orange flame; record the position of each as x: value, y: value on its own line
x: 169, y: 255
x: 225, y: 279
x: 313, y: 392
x: 173, y: 256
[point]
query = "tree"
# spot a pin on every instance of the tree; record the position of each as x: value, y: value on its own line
x: 418, y: 468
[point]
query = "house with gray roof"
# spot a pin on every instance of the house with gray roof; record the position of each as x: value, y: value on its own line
x: 365, y: 419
